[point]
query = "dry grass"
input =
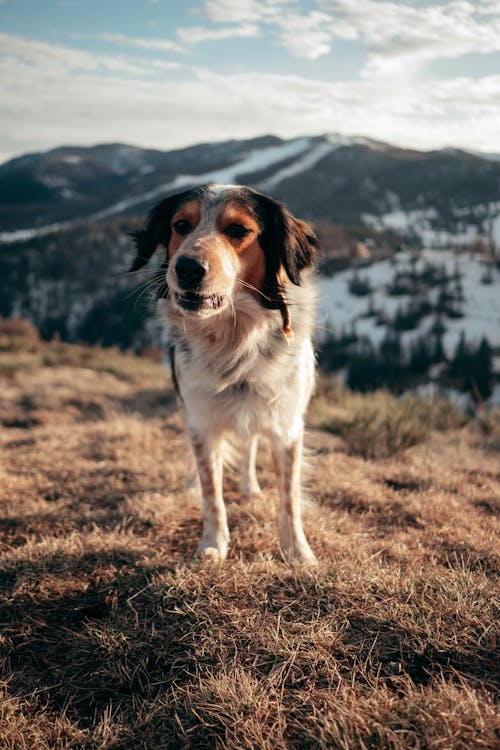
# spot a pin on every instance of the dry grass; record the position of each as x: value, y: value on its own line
x: 378, y: 425
x: 114, y: 637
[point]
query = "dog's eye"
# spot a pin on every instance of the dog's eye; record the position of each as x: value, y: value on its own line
x: 182, y: 227
x: 236, y: 231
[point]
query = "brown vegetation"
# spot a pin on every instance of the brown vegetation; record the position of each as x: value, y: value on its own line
x: 114, y: 636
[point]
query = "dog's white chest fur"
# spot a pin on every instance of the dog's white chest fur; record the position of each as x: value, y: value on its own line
x: 246, y: 381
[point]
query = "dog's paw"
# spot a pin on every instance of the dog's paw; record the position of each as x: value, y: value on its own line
x: 250, y: 489
x: 294, y: 545
x: 211, y: 552
x: 301, y: 554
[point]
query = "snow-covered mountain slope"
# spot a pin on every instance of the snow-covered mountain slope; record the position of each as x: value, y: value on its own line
x: 479, y: 220
x: 341, y: 311
x: 254, y: 160
x: 65, y: 215
x: 440, y: 199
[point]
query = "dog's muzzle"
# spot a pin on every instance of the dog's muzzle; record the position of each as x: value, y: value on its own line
x: 192, y: 301
x: 190, y: 273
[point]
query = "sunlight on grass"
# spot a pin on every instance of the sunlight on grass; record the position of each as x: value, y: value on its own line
x: 115, y: 636
x: 378, y: 424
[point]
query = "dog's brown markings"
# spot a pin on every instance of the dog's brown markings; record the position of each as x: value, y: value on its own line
x: 247, y: 248
x: 287, y: 464
x: 189, y: 212
x: 214, y: 511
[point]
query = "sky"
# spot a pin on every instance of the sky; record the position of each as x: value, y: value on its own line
x: 166, y: 74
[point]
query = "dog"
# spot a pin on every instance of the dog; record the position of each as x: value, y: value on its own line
x: 238, y: 291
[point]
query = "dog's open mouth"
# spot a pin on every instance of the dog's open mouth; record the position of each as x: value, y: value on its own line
x: 194, y: 301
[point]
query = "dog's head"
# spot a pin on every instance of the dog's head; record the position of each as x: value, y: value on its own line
x: 221, y: 239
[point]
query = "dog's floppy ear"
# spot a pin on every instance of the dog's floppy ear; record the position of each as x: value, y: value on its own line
x: 289, y: 246
x: 300, y: 245
x: 288, y: 243
x: 157, y: 230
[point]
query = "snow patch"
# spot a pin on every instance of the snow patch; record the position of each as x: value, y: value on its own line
x: 302, y: 164
x: 419, y: 223
x: 339, y: 310
x: 255, y: 161
x: 54, y: 181
x: 72, y: 159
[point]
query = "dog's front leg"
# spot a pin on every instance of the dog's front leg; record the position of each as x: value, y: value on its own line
x: 287, y: 458
x: 249, y: 482
x: 215, y: 537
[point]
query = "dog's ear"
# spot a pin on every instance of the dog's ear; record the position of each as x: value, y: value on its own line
x: 300, y: 246
x: 157, y: 230
x: 288, y: 243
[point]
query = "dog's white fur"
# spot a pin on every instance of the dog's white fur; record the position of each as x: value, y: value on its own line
x: 241, y: 371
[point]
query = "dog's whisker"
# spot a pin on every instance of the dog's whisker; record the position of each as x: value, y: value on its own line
x: 153, y: 288
x: 140, y: 290
x: 252, y: 287
x: 144, y: 284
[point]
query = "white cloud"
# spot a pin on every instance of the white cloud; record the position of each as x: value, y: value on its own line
x: 197, y: 34
x: 56, y: 62
x: 305, y: 35
x: 239, y: 11
x: 144, y: 43
x: 54, y: 94
x: 402, y: 37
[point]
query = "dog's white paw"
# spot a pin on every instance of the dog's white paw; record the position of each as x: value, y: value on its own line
x: 300, y: 553
x: 250, y: 489
x: 212, y: 552
x: 294, y: 545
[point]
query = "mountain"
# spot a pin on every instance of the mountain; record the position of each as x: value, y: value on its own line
x: 75, y: 184
x: 446, y: 196
x: 65, y: 214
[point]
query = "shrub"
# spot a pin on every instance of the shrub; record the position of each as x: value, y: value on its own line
x: 17, y: 334
x: 18, y: 327
x: 380, y: 425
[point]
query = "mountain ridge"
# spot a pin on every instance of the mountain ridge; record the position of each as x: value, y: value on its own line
x: 329, y: 177
x: 64, y: 246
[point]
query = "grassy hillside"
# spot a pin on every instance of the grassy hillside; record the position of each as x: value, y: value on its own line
x: 113, y: 636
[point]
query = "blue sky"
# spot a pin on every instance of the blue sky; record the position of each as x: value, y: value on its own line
x: 166, y: 74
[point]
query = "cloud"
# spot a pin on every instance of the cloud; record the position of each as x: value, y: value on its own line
x: 56, y: 62
x: 158, y: 44
x: 54, y: 94
x: 401, y: 38
x: 305, y: 35
x: 239, y: 11
x: 196, y: 34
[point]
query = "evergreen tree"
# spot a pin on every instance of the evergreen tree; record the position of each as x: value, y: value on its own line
x: 363, y: 370
x: 482, y: 371
x: 438, y: 353
x: 420, y: 356
x: 471, y: 369
x: 458, y: 365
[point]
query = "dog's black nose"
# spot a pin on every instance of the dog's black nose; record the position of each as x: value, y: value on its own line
x: 190, y: 271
